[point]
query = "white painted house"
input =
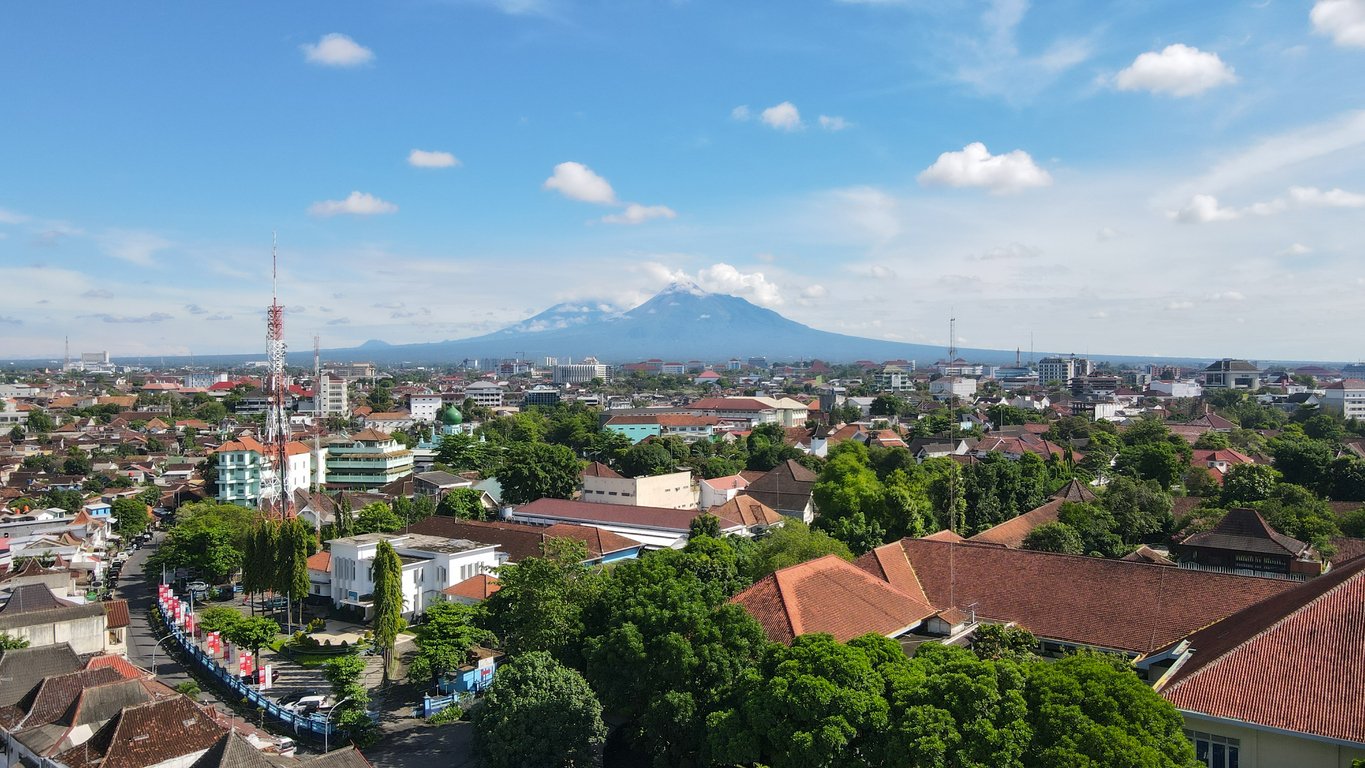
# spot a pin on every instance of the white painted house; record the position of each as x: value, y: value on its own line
x: 430, y: 565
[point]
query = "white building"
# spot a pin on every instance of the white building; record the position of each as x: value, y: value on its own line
x: 1346, y: 398
x: 333, y: 394
x: 430, y: 565
x: 244, y: 478
x: 718, y: 490
x: 485, y: 393
x: 1062, y: 369
x: 365, y: 461
x: 581, y: 373
x: 671, y: 491
x: 424, y: 407
x: 949, y: 387
x: 1177, y: 388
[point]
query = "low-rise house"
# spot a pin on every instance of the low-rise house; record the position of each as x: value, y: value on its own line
x: 164, y: 733
x: 1345, y: 398
x: 1243, y: 542
x: 653, y: 527
x: 1231, y: 373
x: 787, y: 488
x: 34, y: 614
x: 674, y: 490
x: 518, y: 541
x: 1012, y: 532
x: 429, y: 565
x: 437, y: 484
x: 718, y: 490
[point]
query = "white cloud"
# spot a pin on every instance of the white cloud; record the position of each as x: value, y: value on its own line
x: 868, y: 210
x: 1332, y: 198
x: 878, y: 271
x: 815, y: 291
x: 741, y: 113
x: 783, y: 117
x: 834, y: 123
x: 1105, y: 234
x: 1227, y: 296
x: 133, y: 246
x: 421, y: 158
x: 337, y: 50
x: 1203, y: 209
x: 1178, y: 70
x: 723, y: 278
x: 1342, y: 20
x: 356, y: 204
x: 578, y: 182
x: 1100, y: 315
x: 1011, y: 252
x: 11, y: 217
x: 992, y: 62
x: 1176, y: 306
x: 1296, y: 249
x: 638, y: 214
x: 975, y: 166
x: 153, y: 317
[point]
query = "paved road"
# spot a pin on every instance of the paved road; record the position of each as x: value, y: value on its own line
x: 139, y: 589
x: 421, y: 747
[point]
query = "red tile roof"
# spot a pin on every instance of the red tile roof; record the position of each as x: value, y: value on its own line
x: 747, y: 511
x: 729, y: 404
x: 145, y: 735
x: 1113, y: 604
x: 830, y: 595
x: 598, y: 469
x: 322, y: 561
x: 676, y: 520
x: 600, y: 541
x: 1013, y: 531
x: 125, y: 669
x: 115, y: 613
x: 1292, y: 662
x: 478, y: 587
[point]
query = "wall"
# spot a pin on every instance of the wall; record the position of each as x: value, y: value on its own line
x: 1266, y: 749
x: 85, y: 634
x: 671, y: 491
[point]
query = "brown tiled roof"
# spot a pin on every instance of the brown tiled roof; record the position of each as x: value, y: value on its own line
x: 830, y: 595
x: 126, y: 669
x: 478, y: 587
x: 944, y: 535
x: 678, y: 520
x: 598, y: 469
x: 23, y: 668
x: 56, y: 693
x: 729, y: 404
x: 1244, y: 530
x: 1075, y: 490
x: 888, y: 563
x: 1348, y: 549
x: 243, y: 443
x: 600, y: 541
x: 30, y: 598
x: 1013, y: 531
x: 747, y: 511
x: 1090, y: 601
x: 371, y: 435
x: 321, y: 561
x: 232, y: 751
x: 115, y: 613
x: 1292, y: 662
x: 145, y: 735
x: 786, y: 487
x: 1145, y: 554
x: 522, y: 540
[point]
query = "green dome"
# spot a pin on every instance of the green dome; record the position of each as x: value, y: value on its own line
x: 451, y: 416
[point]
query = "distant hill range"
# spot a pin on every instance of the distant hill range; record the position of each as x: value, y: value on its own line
x: 681, y: 322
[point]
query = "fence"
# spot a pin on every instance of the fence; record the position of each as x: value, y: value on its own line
x: 433, y: 704
x: 302, y: 725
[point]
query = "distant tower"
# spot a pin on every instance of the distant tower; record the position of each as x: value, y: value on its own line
x: 66, y: 363
x: 952, y: 339
x: 276, y: 419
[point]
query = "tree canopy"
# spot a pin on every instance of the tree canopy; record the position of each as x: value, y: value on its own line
x: 538, y: 712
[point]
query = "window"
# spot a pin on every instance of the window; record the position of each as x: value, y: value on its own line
x: 1214, y: 751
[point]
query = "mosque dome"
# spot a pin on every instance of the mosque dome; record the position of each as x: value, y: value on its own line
x: 451, y: 416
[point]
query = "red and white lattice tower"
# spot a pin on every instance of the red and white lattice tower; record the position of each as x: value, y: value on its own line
x: 276, y: 418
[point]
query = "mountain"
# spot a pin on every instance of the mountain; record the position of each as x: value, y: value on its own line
x: 681, y: 322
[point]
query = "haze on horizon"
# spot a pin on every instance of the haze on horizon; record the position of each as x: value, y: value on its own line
x: 1141, y: 179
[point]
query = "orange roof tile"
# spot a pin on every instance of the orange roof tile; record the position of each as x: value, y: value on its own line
x: 478, y: 587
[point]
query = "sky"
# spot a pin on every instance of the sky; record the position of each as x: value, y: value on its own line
x: 1141, y: 177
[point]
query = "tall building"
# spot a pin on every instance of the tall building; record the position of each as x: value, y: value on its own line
x: 246, y: 478
x: 333, y: 395
x: 366, y: 460
x: 1346, y: 398
x: 1062, y: 369
x: 581, y: 373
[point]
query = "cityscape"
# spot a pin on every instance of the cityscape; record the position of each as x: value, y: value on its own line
x: 834, y: 430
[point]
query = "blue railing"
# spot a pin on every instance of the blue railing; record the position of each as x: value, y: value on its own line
x: 302, y: 725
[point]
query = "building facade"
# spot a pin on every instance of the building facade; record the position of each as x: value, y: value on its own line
x: 431, y: 564
x: 366, y: 460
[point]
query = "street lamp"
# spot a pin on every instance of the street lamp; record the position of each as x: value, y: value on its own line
x: 156, y: 643
x: 327, y: 724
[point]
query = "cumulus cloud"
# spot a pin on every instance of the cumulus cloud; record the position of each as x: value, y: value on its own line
x: 577, y: 181
x: 355, y: 204
x: 1296, y: 249
x: 1011, y: 252
x: 154, y: 317
x: 741, y: 113
x: 195, y: 309
x: 1106, y: 234
x: 975, y: 166
x: 783, y: 117
x: 340, y: 321
x: 1176, y: 306
x: 218, y: 317
x: 723, y: 278
x: 1331, y: 198
x: 1341, y: 20
x: 814, y: 292
x: 337, y: 50
x: 869, y: 210
x: 1203, y: 209
x: 834, y: 123
x: 635, y: 213
x: 421, y: 158
x: 1178, y: 70
x: 1227, y: 296
x: 878, y: 271
x: 133, y: 246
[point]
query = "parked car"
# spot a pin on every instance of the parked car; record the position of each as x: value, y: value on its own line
x: 294, y: 697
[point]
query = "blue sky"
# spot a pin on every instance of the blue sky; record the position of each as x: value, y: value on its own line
x: 1128, y: 177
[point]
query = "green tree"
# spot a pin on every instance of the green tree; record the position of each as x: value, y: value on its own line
x: 346, y: 676
x: 540, y: 601
x: 16, y: 434
x: 130, y: 515
x: 1158, y: 461
x: 464, y: 503
x: 443, y: 641
x: 40, y: 421
x: 388, y: 601
x: 1300, y: 459
x: 1141, y: 509
x: 705, y: 524
x: 1345, y: 479
x: 252, y: 632
x: 992, y: 642
x: 218, y: 618
x: 1246, y: 483
x: 77, y: 462
x: 1213, y: 441
x: 647, y: 459
x: 536, y: 470
x: 538, y: 712
x: 296, y: 542
x: 789, y: 545
x: 71, y: 501
x: 9, y: 642
x: 376, y: 517
x: 1054, y: 537
x: 210, y: 538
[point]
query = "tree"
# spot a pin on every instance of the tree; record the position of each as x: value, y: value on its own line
x: 252, y: 632
x: 538, y: 712
x: 1301, y: 460
x: 130, y: 515
x: 376, y: 517
x: 705, y: 524
x: 1054, y: 537
x: 992, y: 642
x: 789, y: 545
x: 540, y: 601
x: 77, y: 462
x: 1159, y: 461
x: 1141, y: 509
x: 218, y: 618
x: 887, y: 405
x: 210, y: 538
x: 71, y: 501
x: 40, y: 421
x: 536, y: 471
x: 1213, y: 441
x: 1245, y: 483
x: 647, y: 459
x: 9, y: 642
x: 443, y: 641
x: 388, y: 601
x: 16, y: 434
x: 1345, y: 479
x: 464, y: 503
x: 296, y: 545
x: 346, y: 676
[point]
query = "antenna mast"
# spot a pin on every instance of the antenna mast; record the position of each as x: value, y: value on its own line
x: 952, y: 339
x: 277, y: 419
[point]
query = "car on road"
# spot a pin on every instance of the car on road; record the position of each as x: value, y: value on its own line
x: 308, y: 705
x: 294, y: 697
x: 275, y: 603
